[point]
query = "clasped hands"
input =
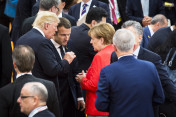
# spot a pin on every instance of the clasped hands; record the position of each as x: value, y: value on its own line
x: 80, y: 76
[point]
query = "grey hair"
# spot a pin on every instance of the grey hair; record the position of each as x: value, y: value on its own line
x: 124, y: 40
x: 38, y: 89
x: 136, y: 25
x: 159, y: 18
x: 47, y: 4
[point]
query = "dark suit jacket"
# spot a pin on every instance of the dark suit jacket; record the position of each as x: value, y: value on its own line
x: 70, y: 18
x: 134, y: 9
x: 167, y: 84
x: 158, y: 38
x: 23, y: 11
x: 75, y: 9
x: 46, y: 65
x: 45, y: 113
x: 10, y: 93
x: 5, y: 56
x: 70, y: 76
x: 80, y: 44
x: 146, y: 37
x: 125, y: 89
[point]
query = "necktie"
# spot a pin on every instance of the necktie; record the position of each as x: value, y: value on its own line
x: 113, y: 13
x: 62, y: 51
x: 84, y: 9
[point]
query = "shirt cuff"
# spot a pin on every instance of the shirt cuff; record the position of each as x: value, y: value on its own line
x: 80, y: 98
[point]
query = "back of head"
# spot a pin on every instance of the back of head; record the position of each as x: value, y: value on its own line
x: 103, y: 30
x: 124, y: 40
x: 64, y: 22
x: 136, y: 25
x: 24, y: 58
x: 37, y: 89
x: 45, y: 5
x: 95, y: 13
x: 44, y: 17
x: 159, y: 18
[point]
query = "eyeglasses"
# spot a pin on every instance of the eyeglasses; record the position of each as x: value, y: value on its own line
x: 57, y: 8
x: 23, y: 97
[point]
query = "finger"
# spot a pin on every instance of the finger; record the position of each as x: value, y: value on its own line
x: 78, y: 105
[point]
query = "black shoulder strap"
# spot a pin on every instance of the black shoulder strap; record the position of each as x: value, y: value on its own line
x: 167, y: 57
x: 170, y: 62
x: 172, y: 58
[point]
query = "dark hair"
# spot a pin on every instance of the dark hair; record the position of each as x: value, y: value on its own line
x: 64, y: 22
x: 95, y: 13
x: 23, y: 56
x: 47, y: 4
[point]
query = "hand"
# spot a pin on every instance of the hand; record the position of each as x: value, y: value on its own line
x: 146, y: 21
x: 81, y: 105
x: 80, y: 76
x: 69, y: 56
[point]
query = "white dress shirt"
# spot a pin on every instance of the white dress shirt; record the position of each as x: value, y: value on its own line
x: 21, y: 74
x: 39, y: 31
x: 36, y: 110
x: 151, y: 31
x: 136, y: 52
x: 145, y: 7
x: 87, y: 8
x: 56, y: 45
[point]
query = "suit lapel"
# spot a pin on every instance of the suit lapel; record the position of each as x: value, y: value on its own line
x: 94, y: 2
x: 55, y: 52
x: 77, y: 13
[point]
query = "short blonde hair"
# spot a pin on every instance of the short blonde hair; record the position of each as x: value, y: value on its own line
x: 103, y: 30
x: 44, y: 17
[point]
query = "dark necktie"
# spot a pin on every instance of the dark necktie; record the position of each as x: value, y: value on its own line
x: 62, y: 51
x: 84, y: 9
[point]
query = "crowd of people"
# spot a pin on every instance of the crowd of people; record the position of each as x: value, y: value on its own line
x: 89, y: 58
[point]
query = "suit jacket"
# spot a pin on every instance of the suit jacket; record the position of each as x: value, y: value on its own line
x: 5, y: 56
x: 23, y: 11
x: 70, y: 18
x: 134, y: 9
x: 75, y: 9
x: 46, y: 65
x: 158, y: 38
x: 45, y: 113
x: 80, y: 44
x: 10, y: 93
x: 69, y: 76
x: 167, y: 84
x: 146, y: 37
x: 125, y: 89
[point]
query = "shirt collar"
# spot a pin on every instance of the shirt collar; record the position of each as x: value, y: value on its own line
x: 60, y: 15
x: 55, y: 43
x: 39, y: 30
x: 88, y: 3
x: 136, y: 52
x: 172, y: 29
x: 150, y: 29
x: 124, y: 56
x: 36, y: 110
x: 21, y: 74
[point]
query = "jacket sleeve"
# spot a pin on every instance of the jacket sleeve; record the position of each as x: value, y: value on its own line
x: 90, y: 82
x: 102, y: 101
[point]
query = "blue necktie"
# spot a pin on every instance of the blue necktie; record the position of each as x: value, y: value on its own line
x: 84, y: 9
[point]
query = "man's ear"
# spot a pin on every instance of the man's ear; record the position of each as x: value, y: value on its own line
x: 93, y: 23
x: 52, y: 9
x: 45, y: 26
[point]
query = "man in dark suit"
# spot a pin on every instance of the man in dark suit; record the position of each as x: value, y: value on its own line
x: 143, y: 12
x: 160, y: 37
x: 5, y: 56
x: 23, y: 61
x: 32, y: 100
x: 157, y: 22
x: 76, y: 10
x: 144, y: 54
x: 23, y: 11
x: 70, y: 90
x: 80, y: 41
x: 60, y: 13
x: 45, y: 5
x: 125, y: 89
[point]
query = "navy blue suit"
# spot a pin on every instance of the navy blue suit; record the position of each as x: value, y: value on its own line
x: 167, y: 84
x: 75, y: 9
x: 134, y: 9
x: 125, y: 89
x: 146, y: 37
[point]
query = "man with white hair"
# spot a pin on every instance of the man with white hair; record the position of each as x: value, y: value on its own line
x: 124, y: 88
x: 33, y: 99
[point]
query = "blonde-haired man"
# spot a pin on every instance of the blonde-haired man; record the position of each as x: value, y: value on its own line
x: 46, y: 65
